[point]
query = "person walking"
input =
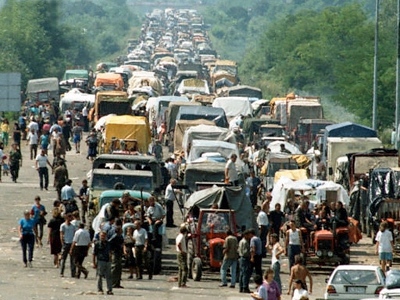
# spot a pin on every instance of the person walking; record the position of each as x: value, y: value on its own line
x: 244, y: 262
x: 92, y: 142
x: 231, y: 174
x: 181, y: 249
x: 102, y: 263
x: 27, y: 232
x: 255, y: 252
x: 230, y: 259
x: 67, y: 232
x: 5, y: 131
x: 384, y: 246
x: 17, y: 134
x: 129, y: 246
x: 60, y: 177
x: 54, y: 235
x: 79, y: 250
x: 44, y: 141
x: 41, y: 166
x: 276, y: 252
x: 38, y: 213
x: 15, y: 161
x: 32, y: 141
x: 170, y: 193
x: 261, y: 293
x: 116, y: 243
x: 84, y: 197
x: 77, y: 132
x: 277, y: 218
x: 272, y: 287
x: 85, y: 114
x: 293, y: 243
x: 299, y: 273
x: 299, y: 292
x: 263, y: 226
x: 141, y: 244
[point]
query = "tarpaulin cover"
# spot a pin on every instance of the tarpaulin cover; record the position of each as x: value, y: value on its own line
x: 172, y: 111
x: 128, y: 127
x: 109, y: 79
x: 233, y: 198
x: 199, y: 147
x: 384, y: 183
x: 234, y: 106
x: 207, y: 132
x: 180, y: 128
x: 215, y: 114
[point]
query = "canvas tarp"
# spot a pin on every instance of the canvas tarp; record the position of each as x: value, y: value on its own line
x: 317, y: 188
x: 215, y: 114
x: 180, y: 129
x: 234, y: 106
x: 233, y: 198
x: 127, y: 127
x: 172, y: 111
x: 199, y: 147
x: 109, y: 79
x: 207, y: 132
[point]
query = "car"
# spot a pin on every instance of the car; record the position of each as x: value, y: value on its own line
x: 355, y: 282
x: 392, y: 286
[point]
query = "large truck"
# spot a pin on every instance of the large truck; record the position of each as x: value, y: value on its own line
x: 337, y: 147
x: 110, y: 102
x: 43, y: 89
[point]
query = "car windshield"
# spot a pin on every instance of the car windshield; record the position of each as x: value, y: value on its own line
x: 107, y: 182
x: 354, y: 277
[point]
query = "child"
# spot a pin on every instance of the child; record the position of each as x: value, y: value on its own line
x: 6, y: 167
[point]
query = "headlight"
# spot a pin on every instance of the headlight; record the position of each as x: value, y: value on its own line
x: 319, y: 253
x: 396, y: 232
x: 330, y: 254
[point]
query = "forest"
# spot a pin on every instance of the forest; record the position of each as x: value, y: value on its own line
x: 310, y: 47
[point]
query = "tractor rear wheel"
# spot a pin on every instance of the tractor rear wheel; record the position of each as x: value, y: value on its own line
x: 197, y: 269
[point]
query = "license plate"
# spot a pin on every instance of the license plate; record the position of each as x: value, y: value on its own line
x: 356, y: 289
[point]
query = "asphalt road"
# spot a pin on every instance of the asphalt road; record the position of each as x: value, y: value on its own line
x: 44, y: 282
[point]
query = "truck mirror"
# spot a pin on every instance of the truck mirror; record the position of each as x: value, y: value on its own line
x: 330, y: 171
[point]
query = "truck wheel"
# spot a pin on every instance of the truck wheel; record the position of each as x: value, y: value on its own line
x: 197, y: 269
x: 190, y: 258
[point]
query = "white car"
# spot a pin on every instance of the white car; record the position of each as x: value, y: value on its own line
x: 355, y: 282
x: 392, y: 286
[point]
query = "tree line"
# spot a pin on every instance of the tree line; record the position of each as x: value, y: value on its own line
x: 43, y: 38
x: 313, y: 48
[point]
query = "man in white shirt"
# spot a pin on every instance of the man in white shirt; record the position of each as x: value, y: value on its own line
x: 231, y: 175
x: 263, y: 225
x: 169, y: 202
x: 41, y: 166
x: 79, y: 249
x: 181, y: 250
x: 32, y: 140
x: 141, y: 243
x: 85, y: 118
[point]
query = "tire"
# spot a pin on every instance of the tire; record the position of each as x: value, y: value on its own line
x: 197, y: 271
x: 190, y: 257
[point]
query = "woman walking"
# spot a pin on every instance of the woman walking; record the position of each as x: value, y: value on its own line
x: 17, y: 134
x: 27, y: 233
x: 54, y: 235
x: 5, y: 129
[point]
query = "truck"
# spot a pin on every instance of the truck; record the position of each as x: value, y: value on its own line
x: 110, y: 102
x: 43, y: 89
x: 337, y: 147
x: 307, y: 131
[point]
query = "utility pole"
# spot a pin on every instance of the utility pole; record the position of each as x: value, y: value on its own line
x: 375, y: 84
x: 398, y: 78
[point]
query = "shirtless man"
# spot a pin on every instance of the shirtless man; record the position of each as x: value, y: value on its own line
x: 299, y: 272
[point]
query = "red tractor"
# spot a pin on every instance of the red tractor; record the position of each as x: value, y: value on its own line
x: 207, y: 233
